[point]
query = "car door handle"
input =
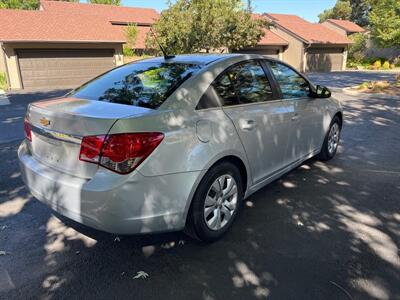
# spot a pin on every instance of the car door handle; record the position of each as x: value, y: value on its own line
x: 295, y: 116
x: 247, y: 125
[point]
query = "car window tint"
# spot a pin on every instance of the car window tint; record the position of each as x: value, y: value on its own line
x: 244, y: 83
x: 291, y: 83
x: 144, y: 84
x: 225, y: 90
x: 250, y: 83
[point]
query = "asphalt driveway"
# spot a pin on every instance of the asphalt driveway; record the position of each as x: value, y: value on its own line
x: 324, y: 231
x: 349, y: 78
x: 13, y: 110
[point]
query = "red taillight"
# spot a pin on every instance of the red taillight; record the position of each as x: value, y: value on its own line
x: 27, y: 130
x: 121, y: 153
x: 91, y: 148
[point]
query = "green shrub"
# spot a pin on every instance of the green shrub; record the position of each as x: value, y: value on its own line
x: 356, y: 49
x: 351, y: 64
x: 364, y: 85
x: 128, y: 51
x: 131, y: 33
x: 386, y: 65
x: 377, y: 64
x: 369, y: 61
x: 3, y: 81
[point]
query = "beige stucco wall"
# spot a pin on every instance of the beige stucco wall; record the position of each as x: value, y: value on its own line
x: 334, y: 28
x: 11, y: 58
x: 2, y: 62
x: 295, y: 50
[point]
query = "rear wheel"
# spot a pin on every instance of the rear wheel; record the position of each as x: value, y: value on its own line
x: 216, y: 203
x: 331, y: 141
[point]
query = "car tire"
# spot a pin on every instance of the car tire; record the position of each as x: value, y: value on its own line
x: 331, y: 141
x: 215, y: 203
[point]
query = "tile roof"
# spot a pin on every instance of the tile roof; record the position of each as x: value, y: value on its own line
x: 308, y: 32
x: 59, y: 21
x: 349, y: 26
x: 115, y: 13
x: 270, y: 38
x: 41, y: 26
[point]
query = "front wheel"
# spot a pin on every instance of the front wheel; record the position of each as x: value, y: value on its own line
x: 215, y: 203
x: 331, y: 141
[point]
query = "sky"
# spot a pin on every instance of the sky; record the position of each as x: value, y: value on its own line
x: 307, y: 9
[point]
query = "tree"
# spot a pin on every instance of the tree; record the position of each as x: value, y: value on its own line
x: 359, y: 11
x: 204, y: 25
x: 356, y: 49
x: 19, y: 4
x: 110, y: 2
x: 384, y: 20
x: 342, y: 11
x: 130, y: 32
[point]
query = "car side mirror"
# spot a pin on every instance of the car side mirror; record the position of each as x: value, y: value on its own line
x: 321, y: 92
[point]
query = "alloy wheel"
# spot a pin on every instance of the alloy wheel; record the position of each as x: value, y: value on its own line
x: 221, y: 202
x: 333, y: 138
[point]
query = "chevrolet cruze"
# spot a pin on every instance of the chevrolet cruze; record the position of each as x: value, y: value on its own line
x: 166, y: 144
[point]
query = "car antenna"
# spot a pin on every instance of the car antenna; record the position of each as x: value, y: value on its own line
x: 166, y: 56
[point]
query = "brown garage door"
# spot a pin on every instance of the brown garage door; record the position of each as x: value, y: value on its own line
x: 324, y: 59
x: 62, y: 68
x: 268, y: 52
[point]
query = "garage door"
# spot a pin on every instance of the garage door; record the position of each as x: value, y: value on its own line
x: 268, y: 52
x: 324, y: 59
x: 62, y: 68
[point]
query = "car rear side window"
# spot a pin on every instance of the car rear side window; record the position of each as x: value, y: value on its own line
x: 240, y: 84
x: 144, y: 84
x: 291, y: 83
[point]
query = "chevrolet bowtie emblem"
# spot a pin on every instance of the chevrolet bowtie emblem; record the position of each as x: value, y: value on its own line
x: 44, y: 122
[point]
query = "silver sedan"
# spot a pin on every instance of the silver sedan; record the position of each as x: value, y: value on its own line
x: 166, y: 144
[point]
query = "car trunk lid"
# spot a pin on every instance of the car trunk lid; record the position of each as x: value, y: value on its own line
x: 58, y: 126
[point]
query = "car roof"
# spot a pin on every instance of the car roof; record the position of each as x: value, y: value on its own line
x: 202, y: 59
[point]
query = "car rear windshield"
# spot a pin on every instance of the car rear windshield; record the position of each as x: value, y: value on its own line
x: 144, y: 84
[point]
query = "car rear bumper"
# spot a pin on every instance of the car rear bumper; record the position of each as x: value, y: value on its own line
x: 121, y: 204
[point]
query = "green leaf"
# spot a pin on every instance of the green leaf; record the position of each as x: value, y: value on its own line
x: 190, y: 26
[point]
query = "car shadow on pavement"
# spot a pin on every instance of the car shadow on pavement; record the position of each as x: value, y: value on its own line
x: 324, y: 231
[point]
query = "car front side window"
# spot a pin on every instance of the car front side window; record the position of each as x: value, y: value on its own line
x: 291, y: 83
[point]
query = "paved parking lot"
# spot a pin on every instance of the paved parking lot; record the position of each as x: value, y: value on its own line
x: 324, y: 231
